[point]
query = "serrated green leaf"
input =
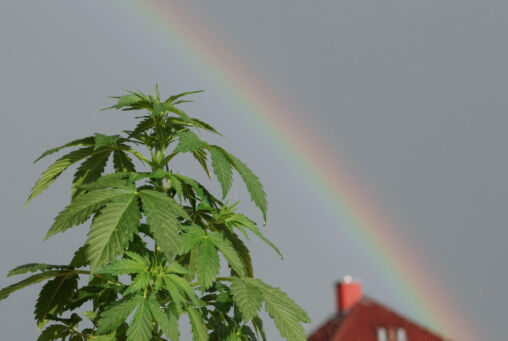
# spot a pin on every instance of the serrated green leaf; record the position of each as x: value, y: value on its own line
x: 122, y: 162
x: 207, y: 266
x: 169, y: 326
x: 199, y: 329
x: 34, y: 267
x: 287, y: 315
x: 199, y: 191
x: 222, y: 169
x: 54, y: 332
x: 113, y: 180
x: 177, y: 269
x: 53, y: 171
x: 257, y: 323
x: 277, y: 294
x: 188, y: 142
x: 193, y: 235
x: 112, y: 230
x: 90, y: 170
x: 173, y: 319
x: 288, y: 326
x: 177, y: 295
x: 162, y: 213
x: 136, y: 176
x: 239, y: 220
x: 179, y: 112
x: 201, y: 157
x: 254, y: 186
x: 247, y: 297
x: 192, y: 265
x: 177, y: 96
x: 176, y: 184
x: 5, y: 292
x: 115, y: 315
x: 201, y: 124
x: 140, y: 328
x: 144, y: 125
x: 242, y: 251
x: 55, y: 295
x: 139, y: 258
x: 127, y: 101
x: 102, y: 140
x: 86, y: 141
x: 227, y: 249
x: 183, y: 101
x: 80, y: 259
x: 186, y: 288
x: 82, y: 207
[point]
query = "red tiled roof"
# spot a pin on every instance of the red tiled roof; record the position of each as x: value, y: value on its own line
x: 362, y: 321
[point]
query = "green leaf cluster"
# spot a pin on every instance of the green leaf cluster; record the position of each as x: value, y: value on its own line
x: 155, y: 239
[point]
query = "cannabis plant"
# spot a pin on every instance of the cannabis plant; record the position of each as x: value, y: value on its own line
x: 155, y: 239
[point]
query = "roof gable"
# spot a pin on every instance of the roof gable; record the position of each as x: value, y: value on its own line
x: 362, y: 321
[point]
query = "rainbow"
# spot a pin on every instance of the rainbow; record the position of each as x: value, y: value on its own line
x: 408, y: 275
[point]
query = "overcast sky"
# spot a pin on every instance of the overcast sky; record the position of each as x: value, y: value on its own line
x: 411, y: 94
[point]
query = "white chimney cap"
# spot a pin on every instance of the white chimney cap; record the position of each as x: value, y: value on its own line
x: 348, y: 279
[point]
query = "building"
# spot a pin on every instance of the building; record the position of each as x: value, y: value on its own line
x: 359, y: 318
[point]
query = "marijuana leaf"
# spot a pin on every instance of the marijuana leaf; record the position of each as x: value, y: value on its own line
x: 248, y: 297
x: 112, y: 230
x: 83, y: 207
x: 115, y: 315
x: 253, y: 184
x: 140, y: 328
x: 50, y: 174
x: 222, y: 169
x: 162, y: 214
x: 199, y: 329
x: 55, y: 295
x: 140, y: 234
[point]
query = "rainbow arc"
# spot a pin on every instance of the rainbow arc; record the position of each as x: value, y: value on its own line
x: 345, y: 199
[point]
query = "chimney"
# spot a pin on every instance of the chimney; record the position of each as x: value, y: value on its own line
x: 348, y: 293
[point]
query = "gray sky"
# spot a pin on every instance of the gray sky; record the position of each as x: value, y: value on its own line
x: 412, y: 94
